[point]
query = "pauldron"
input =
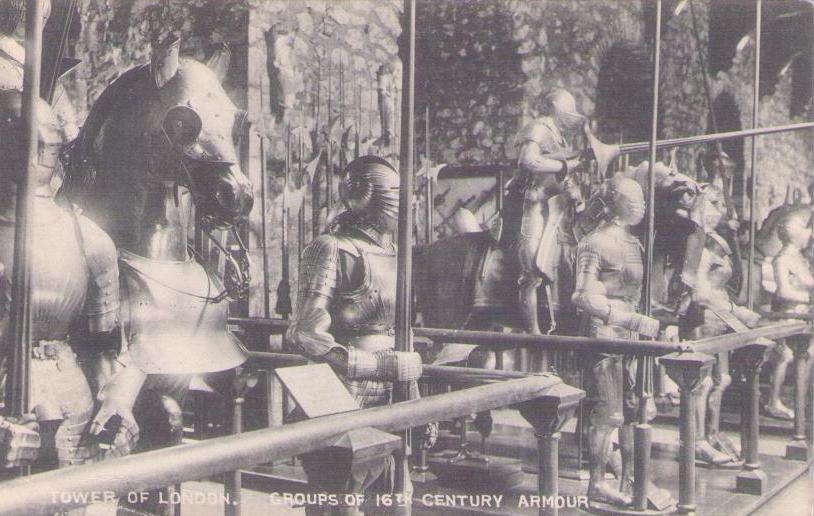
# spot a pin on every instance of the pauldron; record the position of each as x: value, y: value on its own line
x: 102, y: 303
x: 318, y: 268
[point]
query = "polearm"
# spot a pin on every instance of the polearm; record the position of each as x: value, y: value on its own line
x: 404, y: 334
x: 316, y: 227
x: 301, y: 214
x: 329, y: 169
x: 427, y: 177
x: 730, y: 207
x: 18, y: 396
x: 263, y: 229
x: 283, y: 305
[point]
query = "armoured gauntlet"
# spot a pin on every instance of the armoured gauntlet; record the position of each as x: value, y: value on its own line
x: 19, y: 441
x: 389, y: 365
x: 641, y: 324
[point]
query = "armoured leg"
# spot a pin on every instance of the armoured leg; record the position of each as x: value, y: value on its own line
x: 606, y: 414
x: 529, y: 282
x: 721, y: 381
x: 704, y: 451
x: 626, y: 448
x: 779, y: 357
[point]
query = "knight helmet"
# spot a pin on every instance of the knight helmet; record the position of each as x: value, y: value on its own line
x: 370, y: 192
x: 625, y: 200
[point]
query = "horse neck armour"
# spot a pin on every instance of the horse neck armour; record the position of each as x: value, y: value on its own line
x: 171, y: 324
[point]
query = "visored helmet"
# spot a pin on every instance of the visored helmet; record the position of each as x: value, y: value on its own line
x: 370, y: 190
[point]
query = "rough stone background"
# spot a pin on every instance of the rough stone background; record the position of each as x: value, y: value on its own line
x: 482, y: 67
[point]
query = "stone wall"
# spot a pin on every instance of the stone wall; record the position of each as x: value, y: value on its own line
x: 323, y: 75
x: 114, y: 35
x: 602, y: 52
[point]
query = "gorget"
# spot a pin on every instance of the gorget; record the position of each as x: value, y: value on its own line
x: 171, y: 327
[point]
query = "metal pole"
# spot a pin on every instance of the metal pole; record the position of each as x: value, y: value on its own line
x: 643, y: 432
x: 234, y: 482
x: 651, y: 176
x: 18, y: 392
x: 263, y: 228
x: 404, y: 335
x: 750, y: 291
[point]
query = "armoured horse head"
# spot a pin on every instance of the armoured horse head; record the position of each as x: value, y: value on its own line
x: 675, y: 196
x: 166, y: 122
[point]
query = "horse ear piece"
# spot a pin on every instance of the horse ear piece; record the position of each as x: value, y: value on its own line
x: 164, y: 60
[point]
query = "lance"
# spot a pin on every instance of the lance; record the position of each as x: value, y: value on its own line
x: 283, y: 306
x: 404, y: 336
x: 358, y: 127
x: 18, y: 396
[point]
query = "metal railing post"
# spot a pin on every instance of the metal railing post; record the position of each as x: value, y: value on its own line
x: 751, y: 479
x: 687, y: 370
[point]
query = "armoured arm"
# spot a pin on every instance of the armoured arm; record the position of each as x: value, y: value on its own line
x: 539, y: 154
x: 102, y: 304
x: 309, y: 330
x: 318, y: 278
x: 591, y: 296
x: 117, y: 397
x: 534, y: 160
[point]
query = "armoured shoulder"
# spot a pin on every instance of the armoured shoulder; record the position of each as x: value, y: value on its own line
x: 103, y: 294
x: 319, y: 266
x: 597, y: 241
x: 539, y: 132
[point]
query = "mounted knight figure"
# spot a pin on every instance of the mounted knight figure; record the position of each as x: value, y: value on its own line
x: 537, y: 195
x: 74, y: 304
x: 160, y: 137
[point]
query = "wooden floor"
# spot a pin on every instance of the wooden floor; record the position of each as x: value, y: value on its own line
x: 513, y: 438
x: 715, y: 487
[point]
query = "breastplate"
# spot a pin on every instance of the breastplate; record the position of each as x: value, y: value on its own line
x: 59, y: 274
x: 170, y: 325
x: 368, y: 309
x: 622, y: 272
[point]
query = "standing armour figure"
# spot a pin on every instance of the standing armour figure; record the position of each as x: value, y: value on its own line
x: 608, y: 291
x: 74, y: 302
x: 345, y: 312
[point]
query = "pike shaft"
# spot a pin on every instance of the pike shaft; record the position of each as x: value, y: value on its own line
x: 19, y: 391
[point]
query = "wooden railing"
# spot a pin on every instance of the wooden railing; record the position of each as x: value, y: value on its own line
x: 688, y: 363
x: 544, y: 398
